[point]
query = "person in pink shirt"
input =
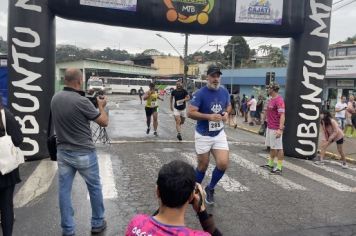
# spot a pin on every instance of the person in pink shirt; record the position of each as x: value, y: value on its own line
x: 176, y: 189
x: 275, y: 125
x: 332, y: 133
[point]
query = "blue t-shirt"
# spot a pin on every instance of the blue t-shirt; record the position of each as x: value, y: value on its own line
x: 210, y: 101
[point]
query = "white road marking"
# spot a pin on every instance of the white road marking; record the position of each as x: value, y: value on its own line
x: 316, y: 177
x: 109, y: 189
x: 183, y: 141
x: 279, y: 180
x: 227, y: 183
x: 37, y: 184
x: 334, y: 171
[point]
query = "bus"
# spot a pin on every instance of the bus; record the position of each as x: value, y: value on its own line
x: 167, y: 85
x: 195, y: 84
x: 126, y: 85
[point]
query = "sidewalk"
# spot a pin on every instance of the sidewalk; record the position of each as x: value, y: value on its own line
x: 349, y: 143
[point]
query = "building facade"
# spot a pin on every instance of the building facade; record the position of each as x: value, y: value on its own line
x: 91, y: 67
x: 165, y: 65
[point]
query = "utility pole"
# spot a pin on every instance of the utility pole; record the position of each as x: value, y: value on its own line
x: 233, y: 57
x: 185, y: 61
x: 217, y: 50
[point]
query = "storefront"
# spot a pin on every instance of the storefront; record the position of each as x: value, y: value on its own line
x: 340, y: 80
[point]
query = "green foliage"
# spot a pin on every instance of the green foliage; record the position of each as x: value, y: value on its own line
x: 202, y: 57
x: 349, y: 40
x: 274, y: 55
x: 242, y: 50
x: 3, y: 46
x: 70, y: 52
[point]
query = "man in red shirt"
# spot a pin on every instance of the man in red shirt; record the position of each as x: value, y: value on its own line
x: 275, y: 126
x: 176, y: 188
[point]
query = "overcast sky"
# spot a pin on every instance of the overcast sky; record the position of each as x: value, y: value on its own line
x: 137, y: 40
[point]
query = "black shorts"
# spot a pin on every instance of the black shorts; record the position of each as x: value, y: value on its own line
x: 150, y: 111
x: 340, y: 141
x: 353, y: 120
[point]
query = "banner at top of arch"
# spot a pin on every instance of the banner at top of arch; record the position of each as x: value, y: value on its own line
x: 277, y: 18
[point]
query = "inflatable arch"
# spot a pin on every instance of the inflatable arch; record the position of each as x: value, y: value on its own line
x: 31, y: 37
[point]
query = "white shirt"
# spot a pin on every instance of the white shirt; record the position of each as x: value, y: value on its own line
x: 339, y: 106
x: 253, y: 104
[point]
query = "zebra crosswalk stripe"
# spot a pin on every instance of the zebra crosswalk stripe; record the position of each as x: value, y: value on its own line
x: 37, y: 184
x: 316, y: 177
x: 227, y: 183
x: 332, y: 170
x: 278, y: 180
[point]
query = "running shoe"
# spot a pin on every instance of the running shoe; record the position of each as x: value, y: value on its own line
x: 267, y: 167
x: 100, y: 229
x: 344, y: 165
x: 209, y: 199
x: 155, y: 133
x: 148, y: 130
x: 276, y: 171
x: 179, y: 137
x: 318, y: 163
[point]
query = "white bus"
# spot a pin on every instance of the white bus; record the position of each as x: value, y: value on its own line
x: 126, y: 85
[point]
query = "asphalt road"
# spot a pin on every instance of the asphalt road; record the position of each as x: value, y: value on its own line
x: 305, y: 200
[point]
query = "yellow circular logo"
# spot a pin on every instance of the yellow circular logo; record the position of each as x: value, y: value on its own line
x: 189, y: 11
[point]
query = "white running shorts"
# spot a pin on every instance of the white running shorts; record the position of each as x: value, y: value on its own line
x: 272, y: 141
x: 203, y: 144
x: 181, y: 113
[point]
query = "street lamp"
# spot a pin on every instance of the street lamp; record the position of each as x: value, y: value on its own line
x: 185, y: 67
x: 159, y: 35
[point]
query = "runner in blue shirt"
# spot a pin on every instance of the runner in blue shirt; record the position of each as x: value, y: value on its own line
x: 211, y: 106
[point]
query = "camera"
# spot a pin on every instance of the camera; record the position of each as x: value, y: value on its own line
x: 92, y: 96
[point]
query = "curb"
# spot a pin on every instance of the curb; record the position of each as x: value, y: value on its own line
x: 328, y: 154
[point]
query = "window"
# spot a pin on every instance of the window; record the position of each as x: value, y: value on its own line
x: 125, y: 81
x: 341, y: 52
x: 133, y: 82
x: 351, y: 51
x: 332, y: 52
x: 114, y: 81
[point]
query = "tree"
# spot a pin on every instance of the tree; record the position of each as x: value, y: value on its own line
x: 3, y: 46
x: 274, y: 55
x: 349, y: 40
x: 242, y: 50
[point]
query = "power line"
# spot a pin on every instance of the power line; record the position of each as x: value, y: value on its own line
x: 346, y: 4
x: 338, y: 2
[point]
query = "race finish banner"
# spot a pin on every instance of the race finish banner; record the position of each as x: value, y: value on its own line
x: 127, y: 5
x: 259, y: 11
x: 31, y: 47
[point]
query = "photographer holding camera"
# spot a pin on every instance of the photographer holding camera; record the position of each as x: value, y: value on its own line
x: 72, y: 113
x: 176, y: 189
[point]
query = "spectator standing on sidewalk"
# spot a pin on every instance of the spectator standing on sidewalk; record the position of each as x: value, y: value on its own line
x: 72, y: 113
x: 9, y: 180
x: 259, y: 109
x: 351, y: 108
x: 340, y: 112
x: 244, y: 108
x: 233, y: 113
x: 332, y: 133
x: 252, y: 104
x: 275, y: 127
